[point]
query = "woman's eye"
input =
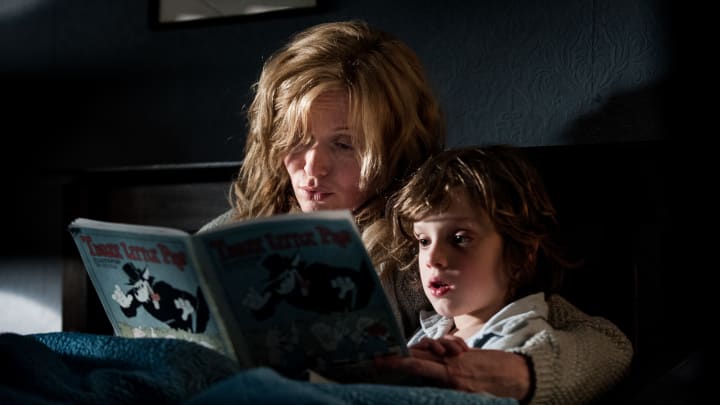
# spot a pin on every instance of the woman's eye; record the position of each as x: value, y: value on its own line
x: 344, y: 145
x: 422, y: 241
x: 343, y: 142
x: 298, y: 147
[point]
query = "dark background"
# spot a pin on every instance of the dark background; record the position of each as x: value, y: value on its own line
x: 589, y: 87
x: 97, y: 84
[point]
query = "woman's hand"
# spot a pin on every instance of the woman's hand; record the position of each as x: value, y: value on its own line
x: 496, y: 372
x: 447, y: 345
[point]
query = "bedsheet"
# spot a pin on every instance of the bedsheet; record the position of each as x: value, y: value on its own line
x: 78, y: 368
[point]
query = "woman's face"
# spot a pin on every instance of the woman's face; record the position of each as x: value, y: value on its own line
x: 326, y: 173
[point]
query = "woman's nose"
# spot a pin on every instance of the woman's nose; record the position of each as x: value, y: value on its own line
x: 317, y: 161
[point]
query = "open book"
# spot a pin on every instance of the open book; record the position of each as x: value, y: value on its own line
x: 295, y: 292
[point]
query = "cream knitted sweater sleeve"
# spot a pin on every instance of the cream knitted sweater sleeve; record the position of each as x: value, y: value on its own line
x: 577, y: 361
x: 225, y: 218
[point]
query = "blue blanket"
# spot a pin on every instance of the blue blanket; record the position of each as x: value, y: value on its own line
x: 262, y: 385
x: 78, y: 368
x: 84, y: 369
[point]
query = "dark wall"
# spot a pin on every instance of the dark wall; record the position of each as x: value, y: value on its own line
x: 94, y: 83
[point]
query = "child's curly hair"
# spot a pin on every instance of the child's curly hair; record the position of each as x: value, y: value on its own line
x: 503, y: 183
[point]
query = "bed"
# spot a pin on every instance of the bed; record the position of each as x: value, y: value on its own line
x: 613, y: 208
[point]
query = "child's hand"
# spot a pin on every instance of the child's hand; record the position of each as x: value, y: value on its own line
x: 447, y: 345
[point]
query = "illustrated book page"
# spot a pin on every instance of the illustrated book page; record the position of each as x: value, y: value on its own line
x: 302, y: 292
x: 147, y: 281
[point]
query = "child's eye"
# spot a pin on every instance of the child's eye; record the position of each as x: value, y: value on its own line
x: 460, y: 239
x: 422, y: 241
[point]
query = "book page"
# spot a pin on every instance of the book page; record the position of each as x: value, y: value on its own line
x: 301, y: 292
x: 146, y: 280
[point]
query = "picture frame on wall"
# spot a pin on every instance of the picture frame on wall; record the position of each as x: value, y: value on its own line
x: 176, y: 13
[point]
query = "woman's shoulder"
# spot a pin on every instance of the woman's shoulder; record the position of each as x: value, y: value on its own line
x: 225, y: 218
x: 563, y: 315
x: 561, y: 311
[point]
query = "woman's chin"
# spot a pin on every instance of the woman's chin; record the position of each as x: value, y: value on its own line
x: 310, y: 206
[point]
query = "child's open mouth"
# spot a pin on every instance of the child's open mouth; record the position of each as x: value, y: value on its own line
x: 438, y: 287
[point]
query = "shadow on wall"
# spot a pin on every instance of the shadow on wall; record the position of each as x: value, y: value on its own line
x: 615, y: 207
x: 640, y: 114
x: 627, y: 211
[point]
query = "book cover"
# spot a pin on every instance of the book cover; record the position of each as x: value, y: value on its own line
x: 292, y: 292
x: 147, y: 282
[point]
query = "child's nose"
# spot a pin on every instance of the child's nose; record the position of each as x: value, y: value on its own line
x: 437, y: 256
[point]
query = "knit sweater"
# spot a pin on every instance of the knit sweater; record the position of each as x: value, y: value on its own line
x: 580, y: 359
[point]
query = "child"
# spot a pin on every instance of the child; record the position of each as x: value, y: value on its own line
x: 477, y: 222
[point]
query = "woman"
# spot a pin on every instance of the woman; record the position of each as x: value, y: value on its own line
x: 342, y: 115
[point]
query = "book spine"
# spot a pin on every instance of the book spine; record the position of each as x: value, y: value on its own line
x: 229, y: 331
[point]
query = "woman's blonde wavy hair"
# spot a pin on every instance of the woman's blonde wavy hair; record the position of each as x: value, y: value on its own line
x: 391, y: 105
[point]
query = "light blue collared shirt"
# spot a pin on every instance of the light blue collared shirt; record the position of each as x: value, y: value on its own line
x: 509, y: 328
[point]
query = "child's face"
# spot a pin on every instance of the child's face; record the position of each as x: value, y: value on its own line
x: 461, y: 261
